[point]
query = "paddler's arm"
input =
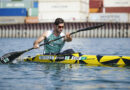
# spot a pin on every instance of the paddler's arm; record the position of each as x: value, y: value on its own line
x: 68, y: 38
x: 39, y: 40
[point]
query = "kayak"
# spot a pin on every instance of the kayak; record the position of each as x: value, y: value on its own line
x: 77, y: 58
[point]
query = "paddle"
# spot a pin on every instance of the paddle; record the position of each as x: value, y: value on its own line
x: 9, y: 57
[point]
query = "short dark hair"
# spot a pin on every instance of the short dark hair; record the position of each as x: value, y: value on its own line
x: 58, y: 21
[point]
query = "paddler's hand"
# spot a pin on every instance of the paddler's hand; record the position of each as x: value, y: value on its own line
x: 35, y: 46
x: 68, y: 38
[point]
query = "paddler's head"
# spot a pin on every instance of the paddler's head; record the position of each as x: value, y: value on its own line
x: 58, y: 25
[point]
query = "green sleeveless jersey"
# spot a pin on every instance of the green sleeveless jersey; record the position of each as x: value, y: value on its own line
x: 55, y: 46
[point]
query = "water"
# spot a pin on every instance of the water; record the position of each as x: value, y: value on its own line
x: 44, y: 76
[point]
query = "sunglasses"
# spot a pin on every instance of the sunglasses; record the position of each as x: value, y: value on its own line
x: 60, y: 26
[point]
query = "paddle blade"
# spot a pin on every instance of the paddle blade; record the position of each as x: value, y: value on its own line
x: 9, y: 57
x: 92, y: 27
x: 88, y: 28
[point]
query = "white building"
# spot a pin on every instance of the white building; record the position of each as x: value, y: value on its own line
x: 69, y: 10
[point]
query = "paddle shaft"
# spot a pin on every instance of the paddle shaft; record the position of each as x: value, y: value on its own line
x: 85, y: 29
x: 9, y: 57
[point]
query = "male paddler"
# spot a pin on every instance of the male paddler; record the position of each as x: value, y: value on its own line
x: 55, y: 46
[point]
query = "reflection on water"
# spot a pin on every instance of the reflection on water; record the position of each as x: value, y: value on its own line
x: 45, y: 76
x: 63, y: 77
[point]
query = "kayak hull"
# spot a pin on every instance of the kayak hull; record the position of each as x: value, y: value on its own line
x: 76, y: 58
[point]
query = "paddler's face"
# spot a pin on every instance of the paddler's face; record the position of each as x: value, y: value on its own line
x: 59, y: 28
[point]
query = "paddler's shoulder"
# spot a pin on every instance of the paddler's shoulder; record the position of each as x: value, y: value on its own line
x: 48, y: 33
x: 62, y: 34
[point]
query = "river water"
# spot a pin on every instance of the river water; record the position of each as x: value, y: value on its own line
x: 44, y: 76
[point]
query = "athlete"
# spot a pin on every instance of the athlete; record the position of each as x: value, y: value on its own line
x: 55, y: 46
